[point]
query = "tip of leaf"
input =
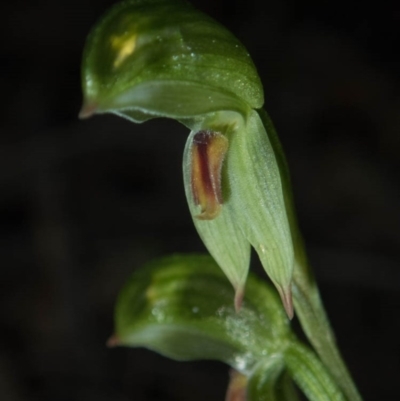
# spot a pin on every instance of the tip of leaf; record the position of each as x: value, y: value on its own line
x: 286, y: 297
x: 239, y: 295
x: 87, y: 110
x: 113, y: 341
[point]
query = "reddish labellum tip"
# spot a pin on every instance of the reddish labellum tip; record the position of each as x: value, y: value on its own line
x: 208, y: 152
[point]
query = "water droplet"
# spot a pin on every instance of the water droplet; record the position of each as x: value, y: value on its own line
x: 158, y: 314
x: 243, y: 362
x: 221, y: 312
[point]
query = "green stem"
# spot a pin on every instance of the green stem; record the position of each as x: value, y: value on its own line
x: 315, y: 323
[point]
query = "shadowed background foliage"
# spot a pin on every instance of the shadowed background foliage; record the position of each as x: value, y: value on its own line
x: 84, y: 203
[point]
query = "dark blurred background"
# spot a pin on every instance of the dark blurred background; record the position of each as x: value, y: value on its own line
x: 84, y: 203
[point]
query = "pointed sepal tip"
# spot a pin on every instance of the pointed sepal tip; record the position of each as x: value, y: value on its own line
x: 287, y: 300
x: 238, y: 301
x: 87, y: 110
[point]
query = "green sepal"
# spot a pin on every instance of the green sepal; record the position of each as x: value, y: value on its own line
x: 258, y: 202
x: 167, y: 307
x: 165, y: 58
x: 254, y: 210
x: 222, y: 236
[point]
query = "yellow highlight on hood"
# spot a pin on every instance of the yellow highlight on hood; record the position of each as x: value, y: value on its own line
x: 124, y: 46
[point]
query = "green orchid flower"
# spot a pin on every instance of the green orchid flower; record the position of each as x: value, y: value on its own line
x: 163, y: 58
x: 166, y: 307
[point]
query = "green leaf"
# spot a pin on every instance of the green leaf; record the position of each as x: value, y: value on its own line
x: 165, y: 58
x: 286, y: 389
x: 270, y: 382
x: 181, y: 307
x: 262, y: 384
x: 310, y: 374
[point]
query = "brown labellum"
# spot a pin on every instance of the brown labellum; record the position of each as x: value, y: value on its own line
x: 208, y: 152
